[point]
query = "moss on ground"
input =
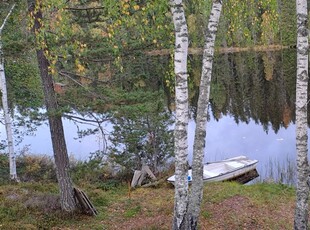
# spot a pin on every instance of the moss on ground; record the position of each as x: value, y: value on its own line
x: 258, y: 206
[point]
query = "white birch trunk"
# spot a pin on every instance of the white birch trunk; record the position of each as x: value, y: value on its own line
x: 7, y: 118
x: 302, y: 192
x: 201, y: 119
x: 181, y: 124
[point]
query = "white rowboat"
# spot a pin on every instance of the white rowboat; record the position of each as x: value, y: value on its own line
x: 224, y: 170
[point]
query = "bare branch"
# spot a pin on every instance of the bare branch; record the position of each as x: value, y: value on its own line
x: 6, y: 18
x: 84, y: 8
x: 77, y: 82
x: 96, y: 120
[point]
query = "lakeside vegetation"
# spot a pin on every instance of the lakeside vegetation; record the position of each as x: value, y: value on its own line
x: 35, y: 205
x: 103, y: 66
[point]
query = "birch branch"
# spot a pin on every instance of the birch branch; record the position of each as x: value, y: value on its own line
x: 6, y: 18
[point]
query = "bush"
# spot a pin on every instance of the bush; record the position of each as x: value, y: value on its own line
x: 4, y: 169
x: 36, y: 168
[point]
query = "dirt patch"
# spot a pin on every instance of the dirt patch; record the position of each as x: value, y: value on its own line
x: 44, y: 202
x: 139, y: 223
x: 239, y: 212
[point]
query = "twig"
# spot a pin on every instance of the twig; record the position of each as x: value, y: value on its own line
x: 6, y: 18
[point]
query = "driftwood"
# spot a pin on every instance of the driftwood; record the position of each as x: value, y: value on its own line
x: 85, y: 204
x: 139, y: 176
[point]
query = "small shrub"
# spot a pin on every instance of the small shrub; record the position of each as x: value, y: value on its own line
x: 36, y: 168
x: 109, y: 184
x: 4, y: 169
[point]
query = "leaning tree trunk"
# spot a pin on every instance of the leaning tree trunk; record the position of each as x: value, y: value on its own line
x: 202, y: 111
x: 302, y: 192
x: 7, y: 118
x: 56, y: 128
x: 181, y: 123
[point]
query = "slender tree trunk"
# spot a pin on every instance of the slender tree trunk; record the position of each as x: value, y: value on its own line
x: 202, y: 111
x: 7, y: 118
x: 56, y: 128
x: 302, y: 193
x: 181, y: 124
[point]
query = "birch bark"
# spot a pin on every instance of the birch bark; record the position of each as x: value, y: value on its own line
x: 181, y: 124
x: 302, y: 191
x: 6, y: 111
x: 202, y: 111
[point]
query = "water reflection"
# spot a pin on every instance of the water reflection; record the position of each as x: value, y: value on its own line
x: 251, y: 113
x: 252, y: 110
x: 225, y: 138
x: 274, y: 150
x: 40, y: 142
x: 255, y: 86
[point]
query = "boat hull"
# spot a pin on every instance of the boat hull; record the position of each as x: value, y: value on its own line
x: 224, y: 170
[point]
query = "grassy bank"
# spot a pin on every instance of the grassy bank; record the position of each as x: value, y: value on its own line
x: 225, y: 206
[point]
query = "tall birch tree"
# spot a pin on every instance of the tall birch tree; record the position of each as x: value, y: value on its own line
x: 6, y: 111
x: 302, y: 192
x: 186, y: 210
x: 202, y: 111
x: 181, y: 124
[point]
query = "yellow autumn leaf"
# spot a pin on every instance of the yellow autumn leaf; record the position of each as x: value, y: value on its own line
x: 136, y: 7
x: 80, y: 68
x: 126, y: 6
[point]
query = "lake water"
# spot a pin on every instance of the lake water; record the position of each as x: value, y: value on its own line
x: 251, y: 113
x: 225, y: 138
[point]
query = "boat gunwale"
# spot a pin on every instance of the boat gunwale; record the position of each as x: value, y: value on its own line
x: 221, y: 174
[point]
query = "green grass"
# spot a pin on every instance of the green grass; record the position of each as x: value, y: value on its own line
x: 267, y: 206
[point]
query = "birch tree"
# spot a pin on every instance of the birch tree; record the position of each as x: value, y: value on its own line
x: 186, y: 210
x: 202, y: 111
x: 7, y: 117
x: 181, y: 123
x: 302, y: 192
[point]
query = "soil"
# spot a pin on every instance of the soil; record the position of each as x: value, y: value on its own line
x: 235, y: 212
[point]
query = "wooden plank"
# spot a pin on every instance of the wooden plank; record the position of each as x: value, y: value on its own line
x: 135, y: 178
x: 79, y: 198
x: 142, y: 177
x: 85, y: 204
x: 146, y: 169
x: 89, y: 204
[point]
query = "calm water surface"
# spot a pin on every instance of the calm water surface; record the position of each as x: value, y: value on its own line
x: 224, y: 139
x: 251, y: 113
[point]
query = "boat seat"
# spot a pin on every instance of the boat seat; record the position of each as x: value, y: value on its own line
x: 234, y: 164
x: 207, y: 174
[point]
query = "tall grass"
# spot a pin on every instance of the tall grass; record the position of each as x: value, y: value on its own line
x: 279, y: 171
